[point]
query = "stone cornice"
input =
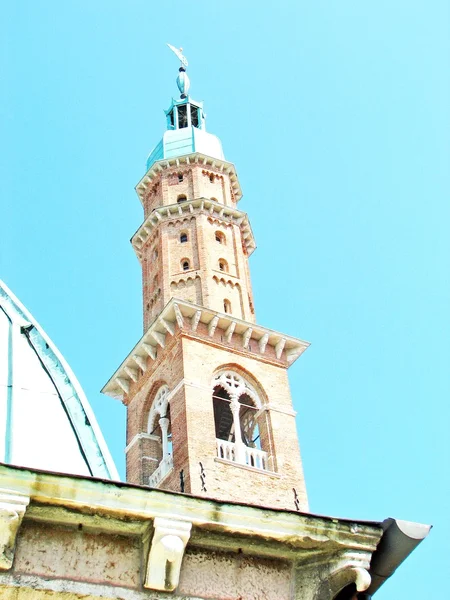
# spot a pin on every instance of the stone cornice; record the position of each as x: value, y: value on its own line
x: 195, y: 158
x: 59, y: 499
x: 187, y: 316
x: 191, y: 207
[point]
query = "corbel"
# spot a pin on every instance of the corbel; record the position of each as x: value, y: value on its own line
x: 340, y: 579
x: 12, y: 509
x: 166, y: 553
x: 340, y: 575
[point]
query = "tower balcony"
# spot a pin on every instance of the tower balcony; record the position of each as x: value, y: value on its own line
x: 242, y: 454
x: 164, y: 468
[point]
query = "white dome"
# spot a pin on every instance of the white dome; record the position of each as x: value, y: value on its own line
x: 45, y: 419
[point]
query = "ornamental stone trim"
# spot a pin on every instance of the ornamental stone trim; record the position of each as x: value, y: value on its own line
x: 181, y: 312
x: 195, y: 158
x: 219, y: 211
x: 12, y: 509
x: 166, y: 553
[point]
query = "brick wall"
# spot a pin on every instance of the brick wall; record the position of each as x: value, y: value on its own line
x: 215, y: 272
x: 192, y: 182
x: 193, y: 363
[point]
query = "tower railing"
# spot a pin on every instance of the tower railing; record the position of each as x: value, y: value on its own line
x: 241, y: 454
x: 255, y: 458
x: 163, y: 469
x: 226, y: 450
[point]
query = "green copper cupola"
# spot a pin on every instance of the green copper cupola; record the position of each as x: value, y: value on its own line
x: 185, y: 113
x: 186, y: 127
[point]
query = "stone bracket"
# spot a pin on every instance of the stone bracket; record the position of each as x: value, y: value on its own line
x: 12, y: 509
x: 166, y: 553
x: 349, y: 567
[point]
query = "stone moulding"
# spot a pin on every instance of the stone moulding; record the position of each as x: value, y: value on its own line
x: 193, y: 207
x: 326, y: 554
x: 349, y: 567
x: 196, y: 158
x: 321, y: 575
x: 187, y: 316
x: 166, y: 553
x: 109, y: 501
x: 12, y: 509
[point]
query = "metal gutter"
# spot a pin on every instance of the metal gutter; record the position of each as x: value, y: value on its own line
x: 399, y: 539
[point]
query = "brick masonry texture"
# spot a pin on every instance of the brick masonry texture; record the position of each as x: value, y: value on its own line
x: 194, y: 363
x: 217, y: 271
x: 201, y: 258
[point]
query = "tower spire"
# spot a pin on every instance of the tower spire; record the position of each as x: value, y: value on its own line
x: 183, y: 81
x: 186, y: 127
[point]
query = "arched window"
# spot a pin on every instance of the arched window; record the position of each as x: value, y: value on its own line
x: 220, y: 237
x: 238, y: 420
x: 227, y: 306
x: 155, y: 254
x: 223, y: 265
x: 180, y: 177
x: 185, y: 264
x: 211, y: 178
x: 181, y: 198
x: 183, y: 237
x: 159, y: 427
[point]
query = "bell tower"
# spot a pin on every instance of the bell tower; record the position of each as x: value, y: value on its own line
x: 209, y: 410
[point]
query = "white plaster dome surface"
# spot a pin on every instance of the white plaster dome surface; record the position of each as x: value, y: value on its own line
x: 46, y: 421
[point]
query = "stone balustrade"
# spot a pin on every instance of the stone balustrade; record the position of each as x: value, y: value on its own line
x: 165, y: 466
x: 241, y: 454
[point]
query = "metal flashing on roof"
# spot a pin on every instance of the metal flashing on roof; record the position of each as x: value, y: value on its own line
x: 47, y: 421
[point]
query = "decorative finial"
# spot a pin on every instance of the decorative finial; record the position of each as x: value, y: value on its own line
x: 183, y: 82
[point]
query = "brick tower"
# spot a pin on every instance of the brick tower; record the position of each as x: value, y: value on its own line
x: 209, y: 410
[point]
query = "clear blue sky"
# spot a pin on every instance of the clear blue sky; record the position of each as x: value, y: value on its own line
x: 336, y: 114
